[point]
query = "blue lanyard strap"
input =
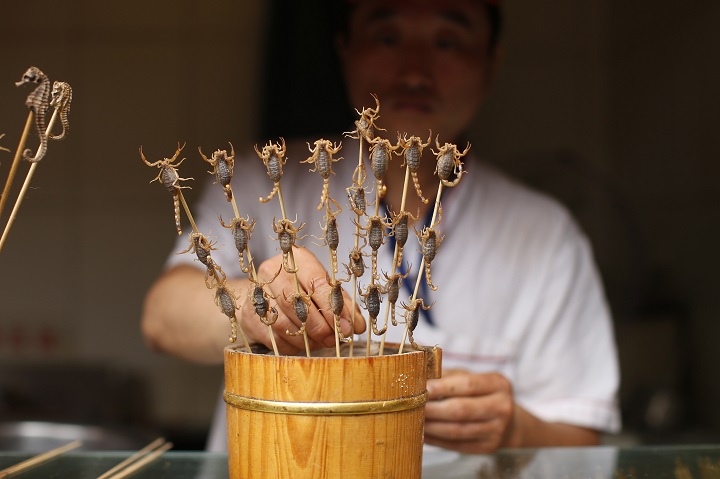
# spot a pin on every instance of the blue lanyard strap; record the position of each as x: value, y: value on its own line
x: 409, y: 282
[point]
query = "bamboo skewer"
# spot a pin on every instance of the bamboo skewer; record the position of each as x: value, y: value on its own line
x: 16, y: 160
x: 39, y: 459
x: 138, y: 460
x: 26, y: 184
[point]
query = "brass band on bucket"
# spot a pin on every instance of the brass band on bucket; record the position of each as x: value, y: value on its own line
x: 326, y: 408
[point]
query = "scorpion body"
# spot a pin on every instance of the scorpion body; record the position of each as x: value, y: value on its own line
x: 400, y: 230
x: 412, y: 315
x: 448, y: 163
x: 287, y: 235
x: 261, y: 303
x: 301, y: 303
x: 356, y: 197
x: 393, y: 291
x: 225, y: 299
x: 429, y: 242
x: 365, y: 126
x: 38, y: 101
x: 357, y: 265
x: 223, y: 166
x: 372, y: 300
x: 380, y: 155
x: 242, y: 231
x: 170, y: 179
x: 61, y: 99
x: 337, y: 303
x: 412, y: 152
x: 273, y: 156
x: 322, y: 158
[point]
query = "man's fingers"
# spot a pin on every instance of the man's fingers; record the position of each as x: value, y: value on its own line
x: 456, y: 383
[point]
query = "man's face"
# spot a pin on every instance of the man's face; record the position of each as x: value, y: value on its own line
x: 428, y: 61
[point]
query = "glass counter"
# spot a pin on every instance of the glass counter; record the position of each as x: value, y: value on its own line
x: 676, y: 462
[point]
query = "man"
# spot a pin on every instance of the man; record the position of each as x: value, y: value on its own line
x: 528, y: 348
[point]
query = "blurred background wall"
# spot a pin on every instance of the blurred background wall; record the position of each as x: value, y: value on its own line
x: 607, y: 105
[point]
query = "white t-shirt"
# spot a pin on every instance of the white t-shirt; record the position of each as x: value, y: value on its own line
x: 518, y: 291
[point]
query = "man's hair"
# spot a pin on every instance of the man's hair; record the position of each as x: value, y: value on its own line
x: 340, y: 13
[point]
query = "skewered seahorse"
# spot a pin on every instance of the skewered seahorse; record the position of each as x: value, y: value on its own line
x: 38, y: 101
x: 61, y: 98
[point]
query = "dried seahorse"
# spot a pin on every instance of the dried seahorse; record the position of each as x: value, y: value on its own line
x: 61, y: 99
x: 38, y: 101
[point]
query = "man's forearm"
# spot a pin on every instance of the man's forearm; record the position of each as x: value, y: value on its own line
x: 530, y: 431
x: 181, y: 318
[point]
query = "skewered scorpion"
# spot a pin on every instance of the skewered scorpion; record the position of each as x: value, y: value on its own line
x: 448, y: 163
x: 201, y: 246
x: 429, y: 244
x: 400, y: 231
x: 226, y: 300
x: 356, y: 197
x: 372, y: 299
x: 61, y: 99
x: 365, y: 125
x: 241, y: 230
x: 273, y: 156
x: 301, y: 303
x: 223, y: 166
x: 261, y: 300
x: 322, y: 158
x: 38, y: 101
x: 393, y: 291
x: 357, y: 264
x: 380, y: 155
x: 337, y: 302
x: 331, y: 237
x: 170, y: 179
x: 412, y: 152
x: 412, y: 315
x: 375, y: 238
x: 287, y: 235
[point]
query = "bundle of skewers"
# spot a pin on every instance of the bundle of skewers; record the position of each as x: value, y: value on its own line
x: 39, y: 102
x: 371, y: 231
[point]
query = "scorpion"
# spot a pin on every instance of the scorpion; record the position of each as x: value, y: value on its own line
x: 287, y: 235
x: 412, y: 151
x: 400, y: 230
x: 273, y: 156
x: 356, y: 197
x: 170, y: 179
x: 226, y: 300
x: 412, y: 315
x: 357, y: 265
x: 301, y: 303
x: 61, y: 99
x: 448, y: 163
x: 393, y: 291
x: 201, y: 246
x: 337, y: 302
x: 372, y: 299
x: 331, y: 237
x: 39, y: 102
x: 322, y: 158
x: 261, y: 301
x: 375, y: 237
x: 242, y: 230
x: 365, y: 125
x: 380, y: 155
x: 430, y: 243
x: 223, y: 166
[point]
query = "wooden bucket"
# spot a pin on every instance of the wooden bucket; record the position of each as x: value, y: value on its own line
x: 296, y: 417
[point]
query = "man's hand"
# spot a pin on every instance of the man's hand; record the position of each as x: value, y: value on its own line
x: 476, y: 413
x: 468, y: 412
x: 312, y: 279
